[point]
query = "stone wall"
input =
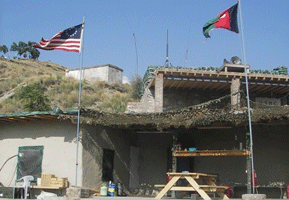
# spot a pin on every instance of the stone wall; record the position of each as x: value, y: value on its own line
x: 177, y: 99
x: 146, y: 104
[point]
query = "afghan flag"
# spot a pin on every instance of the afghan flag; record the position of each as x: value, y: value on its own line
x: 226, y: 19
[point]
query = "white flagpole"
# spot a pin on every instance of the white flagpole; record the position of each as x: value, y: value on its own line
x: 79, y: 95
x: 248, y: 100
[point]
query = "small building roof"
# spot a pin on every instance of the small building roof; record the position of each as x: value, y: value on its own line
x: 98, y: 66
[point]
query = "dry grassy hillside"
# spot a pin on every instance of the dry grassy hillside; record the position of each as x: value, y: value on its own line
x: 61, y: 91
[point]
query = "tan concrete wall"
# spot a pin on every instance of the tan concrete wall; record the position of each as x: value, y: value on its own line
x: 58, y: 139
x: 95, y: 139
x: 153, y: 153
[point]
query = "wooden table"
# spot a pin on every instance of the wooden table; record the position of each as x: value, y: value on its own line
x: 199, y: 182
x: 49, y: 188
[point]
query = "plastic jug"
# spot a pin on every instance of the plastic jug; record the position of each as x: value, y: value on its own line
x: 103, y: 190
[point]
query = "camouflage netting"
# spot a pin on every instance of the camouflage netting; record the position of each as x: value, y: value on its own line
x: 204, y: 114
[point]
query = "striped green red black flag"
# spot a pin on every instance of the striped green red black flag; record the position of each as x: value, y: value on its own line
x: 226, y: 19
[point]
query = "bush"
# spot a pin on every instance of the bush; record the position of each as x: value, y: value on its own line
x: 136, y: 84
x: 35, y: 97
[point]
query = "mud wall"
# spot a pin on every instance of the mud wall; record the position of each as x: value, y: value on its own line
x: 94, y: 140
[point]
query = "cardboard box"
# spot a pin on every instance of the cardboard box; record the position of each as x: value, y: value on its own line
x: 59, y: 182
x: 45, y: 179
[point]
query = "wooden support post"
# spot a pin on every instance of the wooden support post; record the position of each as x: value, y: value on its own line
x: 174, y: 162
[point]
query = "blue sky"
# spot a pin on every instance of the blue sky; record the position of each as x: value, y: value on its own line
x: 110, y: 24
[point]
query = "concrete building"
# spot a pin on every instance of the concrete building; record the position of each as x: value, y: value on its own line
x: 137, y: 149
x: 168, y: 89
x: 107, y: 72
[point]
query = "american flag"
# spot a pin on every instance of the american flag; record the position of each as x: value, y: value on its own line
x: 67, y: 40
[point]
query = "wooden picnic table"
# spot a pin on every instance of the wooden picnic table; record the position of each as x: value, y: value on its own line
x: 199, y: 182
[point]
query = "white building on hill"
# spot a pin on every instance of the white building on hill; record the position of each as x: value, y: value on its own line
x: 107, y: 72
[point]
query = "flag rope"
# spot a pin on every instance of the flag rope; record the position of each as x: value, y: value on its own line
x: 79, y: 99
x: 248, y: 101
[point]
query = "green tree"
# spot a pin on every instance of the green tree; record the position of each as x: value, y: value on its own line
x: 4, y: 49
x: 35, y: 97
x: 34, y: 53
x: 14, y: 47
x: 22, y: 48
x: 136, y: 84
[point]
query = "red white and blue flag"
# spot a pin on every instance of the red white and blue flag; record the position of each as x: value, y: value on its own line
x: 67, y: 40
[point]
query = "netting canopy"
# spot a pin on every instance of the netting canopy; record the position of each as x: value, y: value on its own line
x: 30, y: 161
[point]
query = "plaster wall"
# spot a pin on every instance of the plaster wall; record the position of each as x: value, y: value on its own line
x: 229, y: 169
x: 114, y: 76
x: 100, y: 73
x: 94, y: 140
x: 58, y: 139
x: 153, y: 157
x: 270, y: 156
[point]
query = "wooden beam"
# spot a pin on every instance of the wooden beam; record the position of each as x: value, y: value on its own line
x: 222, y: 86
x: 280, y: 88
x: 283, y: 90
x: 181, y: 83
x: 208, y: 85
x: 200, y: 85
x: 173, y: 83
x: 211, y: 153
x: 216, y: 85
x: 193, y: 85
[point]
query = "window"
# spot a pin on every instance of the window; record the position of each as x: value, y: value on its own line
x: 30, y: 161
x: 107, y: 165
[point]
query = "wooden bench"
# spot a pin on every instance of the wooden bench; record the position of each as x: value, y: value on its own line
x: 160, y: 186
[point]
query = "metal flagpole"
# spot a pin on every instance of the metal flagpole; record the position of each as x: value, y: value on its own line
x: 79, y: 95
x: 248, y: 101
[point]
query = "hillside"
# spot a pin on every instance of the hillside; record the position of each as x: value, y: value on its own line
x: 15, y: 74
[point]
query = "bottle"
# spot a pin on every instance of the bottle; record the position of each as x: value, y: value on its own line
x: 103, y: 190
x: 119, y: 189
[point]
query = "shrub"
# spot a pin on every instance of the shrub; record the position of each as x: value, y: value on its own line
x: 35, y: 98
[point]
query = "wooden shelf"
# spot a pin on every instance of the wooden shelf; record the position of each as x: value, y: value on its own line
x: 211, y: 153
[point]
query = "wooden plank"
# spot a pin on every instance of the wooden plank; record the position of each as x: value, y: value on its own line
x: 46, y: 187
x: 201, y: 192
x: 159, y: 186
x: 219, y: 192
x: 193, y: 174
x: 182, y: 188
x: 211, y: 153
x: 167, y: 187
x: 206, y: 188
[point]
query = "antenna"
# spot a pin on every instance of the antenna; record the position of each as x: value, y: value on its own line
x: 136, y: 53
x: 167, y: 60
x: 186, y: 58
x: 134, y: 37
x: 167, y: 63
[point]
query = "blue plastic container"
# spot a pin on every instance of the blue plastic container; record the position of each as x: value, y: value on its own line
x: 112, y: 190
